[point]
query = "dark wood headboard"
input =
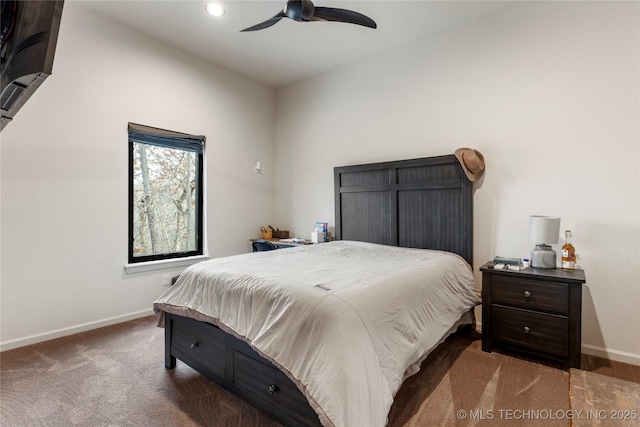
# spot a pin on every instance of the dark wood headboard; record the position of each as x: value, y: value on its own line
x: 420, y: 203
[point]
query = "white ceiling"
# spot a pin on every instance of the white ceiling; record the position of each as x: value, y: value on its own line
x: 288, y: 51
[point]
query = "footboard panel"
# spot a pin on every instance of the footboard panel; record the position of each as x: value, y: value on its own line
x: 234, y: 365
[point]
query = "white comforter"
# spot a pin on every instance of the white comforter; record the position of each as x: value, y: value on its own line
x: 346, y: 321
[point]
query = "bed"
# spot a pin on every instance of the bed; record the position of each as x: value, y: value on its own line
x: 326, y: 334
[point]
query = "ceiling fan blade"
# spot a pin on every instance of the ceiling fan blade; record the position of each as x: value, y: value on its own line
x: 342, y: 15
x: 266, y: 24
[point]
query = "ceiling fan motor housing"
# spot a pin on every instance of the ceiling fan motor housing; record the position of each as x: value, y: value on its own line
x: 299, y: 10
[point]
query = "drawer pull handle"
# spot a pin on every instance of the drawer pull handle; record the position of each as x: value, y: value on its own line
x: 527, y: 294
x: 193, y: 345
x: 527, y: 330
x: 272, y: 388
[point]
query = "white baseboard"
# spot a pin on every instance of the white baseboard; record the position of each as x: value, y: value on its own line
x: 33, y: 339
x: 605, y: 353
x: 592, y: 350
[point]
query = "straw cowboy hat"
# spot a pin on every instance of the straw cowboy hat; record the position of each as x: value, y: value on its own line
x: 472, y: 162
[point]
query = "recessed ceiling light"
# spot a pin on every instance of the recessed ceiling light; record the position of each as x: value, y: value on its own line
x: 215, y: 9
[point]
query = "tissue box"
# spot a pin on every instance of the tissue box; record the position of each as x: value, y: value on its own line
x: 317, y: 237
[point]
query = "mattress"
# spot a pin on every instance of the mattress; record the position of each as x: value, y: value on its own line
x: 346, y: 321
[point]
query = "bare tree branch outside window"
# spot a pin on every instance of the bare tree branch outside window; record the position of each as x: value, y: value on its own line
x: 165, y: 194
x: 164, y: 200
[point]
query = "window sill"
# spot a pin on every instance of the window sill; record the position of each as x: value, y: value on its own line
x: 142, y: 267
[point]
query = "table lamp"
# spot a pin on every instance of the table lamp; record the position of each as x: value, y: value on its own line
x: 543, y: 231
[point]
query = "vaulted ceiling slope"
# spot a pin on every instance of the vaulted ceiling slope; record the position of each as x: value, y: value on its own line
x: 290, y: 51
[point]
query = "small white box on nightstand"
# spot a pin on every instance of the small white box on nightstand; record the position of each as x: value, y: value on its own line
x: 317, y: 237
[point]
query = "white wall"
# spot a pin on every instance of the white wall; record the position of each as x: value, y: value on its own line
x: 64, y: 173
x: 549, y: 93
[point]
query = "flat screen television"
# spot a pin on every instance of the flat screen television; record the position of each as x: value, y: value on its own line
x: 28, y: 37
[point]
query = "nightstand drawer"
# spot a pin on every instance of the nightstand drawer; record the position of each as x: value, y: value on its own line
x: 531, y: 294
x: 546, y: 333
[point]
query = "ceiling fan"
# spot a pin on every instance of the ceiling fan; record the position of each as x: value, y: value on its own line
x: 305, y: 11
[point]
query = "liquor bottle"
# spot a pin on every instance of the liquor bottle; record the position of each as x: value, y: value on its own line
x: 568, y: 253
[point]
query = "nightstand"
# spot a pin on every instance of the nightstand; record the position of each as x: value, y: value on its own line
x: 535, y: 311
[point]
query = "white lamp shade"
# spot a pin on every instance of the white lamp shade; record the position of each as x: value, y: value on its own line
x: 544, y: 229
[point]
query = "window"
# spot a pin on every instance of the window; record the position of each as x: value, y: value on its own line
x: 165, y: 194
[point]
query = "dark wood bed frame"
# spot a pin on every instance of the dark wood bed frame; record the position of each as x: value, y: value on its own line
x: 421, y: 203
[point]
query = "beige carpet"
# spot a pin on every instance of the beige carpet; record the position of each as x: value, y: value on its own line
x: 463, y: 386
x: 603, y: 401
x: 115, y: 376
